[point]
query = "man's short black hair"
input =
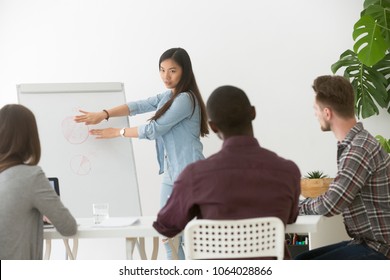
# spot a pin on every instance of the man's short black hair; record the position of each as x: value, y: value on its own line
x: 229, y: 108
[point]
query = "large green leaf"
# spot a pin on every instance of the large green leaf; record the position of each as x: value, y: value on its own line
x: 381, y: 14
x: 369, y: 2
x: 369, y: 84
x: 347, y: 58
x: 383, y: 67
x: 384, y: 142
x: 370, y: 46
x: 383, y: 3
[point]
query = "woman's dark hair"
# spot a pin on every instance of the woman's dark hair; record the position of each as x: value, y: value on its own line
x: 187, y: 84
x: 19, y: 139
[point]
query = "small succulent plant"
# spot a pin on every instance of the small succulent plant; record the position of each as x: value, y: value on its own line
x: 316, y: 174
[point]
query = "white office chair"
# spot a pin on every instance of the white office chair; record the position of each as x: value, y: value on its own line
x: 234, y: 239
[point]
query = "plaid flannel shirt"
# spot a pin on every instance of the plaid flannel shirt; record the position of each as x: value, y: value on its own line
x: 360, y: 191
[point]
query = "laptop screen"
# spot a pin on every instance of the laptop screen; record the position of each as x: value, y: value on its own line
x: 54, y: 183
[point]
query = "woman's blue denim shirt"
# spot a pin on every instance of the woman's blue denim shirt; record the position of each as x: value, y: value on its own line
x: 177, y: 131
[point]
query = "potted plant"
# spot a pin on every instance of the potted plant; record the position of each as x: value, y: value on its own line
x: 368, y: 64
x: 315, y: 183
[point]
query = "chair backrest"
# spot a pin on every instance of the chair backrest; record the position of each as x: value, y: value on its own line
x: 234, y: 239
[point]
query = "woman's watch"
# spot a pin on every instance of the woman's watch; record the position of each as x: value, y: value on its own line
x: 122, y: 132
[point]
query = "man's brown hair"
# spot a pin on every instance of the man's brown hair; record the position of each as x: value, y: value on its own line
x: 336, y: 93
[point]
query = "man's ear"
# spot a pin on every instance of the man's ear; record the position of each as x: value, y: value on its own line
x: 328, y: 113
x: 213, y: 127
x: 253, y: 113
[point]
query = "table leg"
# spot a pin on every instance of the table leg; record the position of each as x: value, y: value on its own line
x: 141, y: 248
x: 174, y: 243
x: 130, y: 244
x: 155, y: 248
x: 47, y: 250
x: 75, y: 247
x: 68, y: 250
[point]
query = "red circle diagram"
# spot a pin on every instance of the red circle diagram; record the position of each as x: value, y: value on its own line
x: 80, y: 164
x: 75, y: 133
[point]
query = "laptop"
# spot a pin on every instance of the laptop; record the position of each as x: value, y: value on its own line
x: 55, y: 185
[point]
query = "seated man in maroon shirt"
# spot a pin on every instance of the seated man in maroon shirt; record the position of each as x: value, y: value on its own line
x: 243, y: 180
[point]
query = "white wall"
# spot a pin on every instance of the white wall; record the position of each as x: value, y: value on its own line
x: 271, y: 49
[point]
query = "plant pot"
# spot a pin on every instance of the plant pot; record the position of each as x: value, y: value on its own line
x: 315, y: 187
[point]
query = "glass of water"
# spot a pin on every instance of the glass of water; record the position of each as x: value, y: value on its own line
x: 100, y: 212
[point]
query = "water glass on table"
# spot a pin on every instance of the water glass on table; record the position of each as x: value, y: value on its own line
x: 100, y: 212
